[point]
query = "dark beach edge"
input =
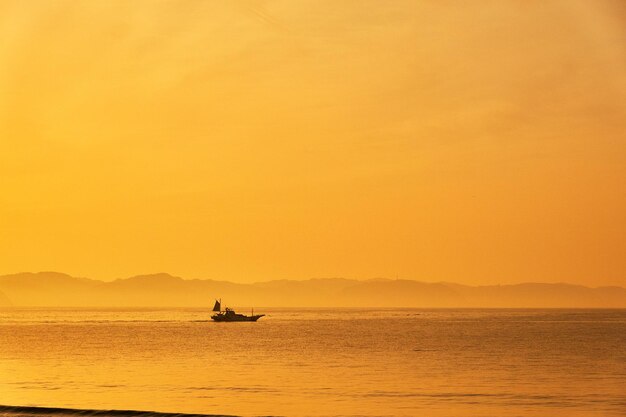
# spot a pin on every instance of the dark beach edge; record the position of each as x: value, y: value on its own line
x: 15, y: 411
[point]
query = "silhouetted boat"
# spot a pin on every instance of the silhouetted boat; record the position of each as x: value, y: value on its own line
x: 230, y: 315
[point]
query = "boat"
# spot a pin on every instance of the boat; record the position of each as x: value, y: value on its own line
x: 229, y: 314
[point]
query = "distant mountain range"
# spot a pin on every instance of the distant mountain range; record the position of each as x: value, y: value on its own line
x: 53, y: 289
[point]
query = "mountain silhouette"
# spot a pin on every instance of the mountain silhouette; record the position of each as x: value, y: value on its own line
x: 53, y: 289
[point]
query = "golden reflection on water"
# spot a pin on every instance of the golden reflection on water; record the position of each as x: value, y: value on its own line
x: 319, y: 362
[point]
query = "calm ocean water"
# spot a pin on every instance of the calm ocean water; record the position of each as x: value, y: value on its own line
x: 318, y: 362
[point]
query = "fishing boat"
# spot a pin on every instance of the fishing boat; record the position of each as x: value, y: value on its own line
x: 228, y: 314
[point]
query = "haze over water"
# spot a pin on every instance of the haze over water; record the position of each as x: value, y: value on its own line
x: 472, y: 150
x: 318, y: 362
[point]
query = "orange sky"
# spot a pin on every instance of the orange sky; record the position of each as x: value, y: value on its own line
x: 476, y: 142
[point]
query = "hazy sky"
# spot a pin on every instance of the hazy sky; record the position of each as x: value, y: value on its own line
x: 476, y: 142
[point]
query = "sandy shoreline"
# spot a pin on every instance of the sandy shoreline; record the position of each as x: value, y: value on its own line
x: 15, y: 411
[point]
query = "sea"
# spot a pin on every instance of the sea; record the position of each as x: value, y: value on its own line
x: 315, y: 362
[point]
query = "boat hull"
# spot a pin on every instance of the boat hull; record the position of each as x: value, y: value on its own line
x: 235, y: 317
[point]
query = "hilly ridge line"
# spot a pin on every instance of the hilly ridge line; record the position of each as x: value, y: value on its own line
x: 54, y: 289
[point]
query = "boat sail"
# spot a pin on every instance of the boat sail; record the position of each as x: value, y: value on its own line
x: 218, y: 305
